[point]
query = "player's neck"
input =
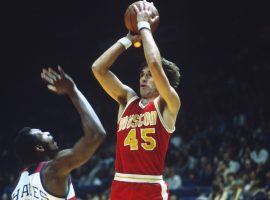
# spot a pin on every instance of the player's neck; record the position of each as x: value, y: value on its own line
x: 145, y: 101
x: 28, y: 165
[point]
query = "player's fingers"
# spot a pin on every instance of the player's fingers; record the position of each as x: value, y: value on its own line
x: 146, y: 5
x: 44, y: 70
x: 46, y: 78
x: 62, y: 73
x: 51, y: 75
x: 42, y: 75
x: 141, y: 5
x: 47, y: 74
x: 145, y: 2
x: 149, y: 7
x: 153, y: 20
x: 52, y: 88
x: 136, y: 9
x: 54, y: 73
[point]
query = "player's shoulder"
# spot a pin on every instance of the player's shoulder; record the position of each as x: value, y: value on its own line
x: 124, y: 107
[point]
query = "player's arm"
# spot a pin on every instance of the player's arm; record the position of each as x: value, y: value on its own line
x: 153, y: 60
x: 110, y: 83
x: 94, y: 133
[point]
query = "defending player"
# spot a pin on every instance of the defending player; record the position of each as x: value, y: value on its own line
x: 46, y: 173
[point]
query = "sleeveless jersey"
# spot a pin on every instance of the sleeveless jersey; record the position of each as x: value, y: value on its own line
x: 142, y: 139
x: 30, y: 186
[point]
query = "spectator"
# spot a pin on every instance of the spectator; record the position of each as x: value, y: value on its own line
x: 218, y: 193
x: 259, y: 155
x: 174, y: 180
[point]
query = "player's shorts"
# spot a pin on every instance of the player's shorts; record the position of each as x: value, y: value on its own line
x: 138, y: 187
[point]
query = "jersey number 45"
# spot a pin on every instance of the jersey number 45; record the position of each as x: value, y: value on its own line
x: 149, y: 142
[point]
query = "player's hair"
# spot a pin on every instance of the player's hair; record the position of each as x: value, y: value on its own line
x: 24, y: 146
x: 171, y: 70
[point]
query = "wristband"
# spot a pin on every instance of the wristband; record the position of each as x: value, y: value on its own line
x: 143, y: 24
x: 125, y: 42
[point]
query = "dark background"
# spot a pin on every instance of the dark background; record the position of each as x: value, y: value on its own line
x: 221, y: 47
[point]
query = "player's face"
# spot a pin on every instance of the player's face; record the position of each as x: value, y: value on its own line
x: 47, y: 140
x: 147, y: 85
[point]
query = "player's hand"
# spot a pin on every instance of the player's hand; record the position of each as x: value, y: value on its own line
x: 144, y: 12
x: 58, y: 82
x: 134, y: 38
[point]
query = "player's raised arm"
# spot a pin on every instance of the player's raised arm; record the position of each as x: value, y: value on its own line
x: 101, y: 69
x: 94, y: 133
x: 153, y: 58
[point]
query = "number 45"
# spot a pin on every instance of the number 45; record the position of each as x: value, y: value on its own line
x: 149, y: 142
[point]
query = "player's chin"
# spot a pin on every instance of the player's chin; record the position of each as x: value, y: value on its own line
x: 142, y: 93
x: 54, y: 147
x: 55, y: 144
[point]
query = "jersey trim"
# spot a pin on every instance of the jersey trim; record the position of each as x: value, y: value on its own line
x: 39, y: 167
x: 137, y: 178
x: 141, y: 105
x: 164, y: 189
x: 25, y: 169
x: 31, y: 170
x: 128, y: 103
x: 161, y: 118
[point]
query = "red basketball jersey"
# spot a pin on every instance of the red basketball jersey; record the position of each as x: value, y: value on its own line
x: 142, y: 139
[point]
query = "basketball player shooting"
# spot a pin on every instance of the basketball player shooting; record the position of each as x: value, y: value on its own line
x: 145, y: 123
x: 46, y: 173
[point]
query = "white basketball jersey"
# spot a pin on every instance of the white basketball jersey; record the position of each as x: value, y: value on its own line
x: 30, y: 187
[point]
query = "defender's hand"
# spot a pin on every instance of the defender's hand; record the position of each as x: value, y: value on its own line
x: 58, y: 82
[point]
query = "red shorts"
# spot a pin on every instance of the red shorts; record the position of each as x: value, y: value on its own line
x: 138, y: 191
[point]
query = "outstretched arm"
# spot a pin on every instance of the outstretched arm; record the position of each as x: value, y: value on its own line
x: 94, y: 133
x: 153, y: 59
x: 110, y: 83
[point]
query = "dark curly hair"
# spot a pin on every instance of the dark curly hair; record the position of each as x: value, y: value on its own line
x: 24, y: 146
x: 171, y: 70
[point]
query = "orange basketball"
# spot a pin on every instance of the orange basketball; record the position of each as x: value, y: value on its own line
x: 131, y: 18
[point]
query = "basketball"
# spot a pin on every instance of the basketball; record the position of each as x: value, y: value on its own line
x: 131, y: 18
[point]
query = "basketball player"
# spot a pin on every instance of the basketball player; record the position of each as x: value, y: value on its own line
x: 46, y: 174
x: 145, y: 123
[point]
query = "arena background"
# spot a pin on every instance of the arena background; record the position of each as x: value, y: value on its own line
x: 222, y: 49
